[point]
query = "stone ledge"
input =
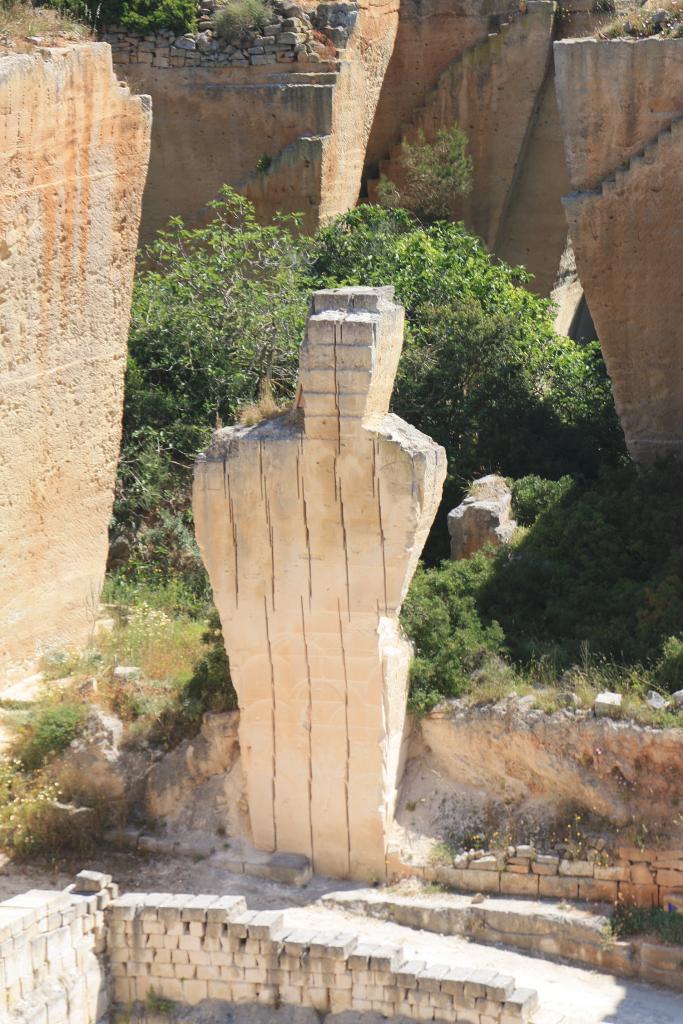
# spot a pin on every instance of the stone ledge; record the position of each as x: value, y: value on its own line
x: 574, y: 934
x: 188, y: 949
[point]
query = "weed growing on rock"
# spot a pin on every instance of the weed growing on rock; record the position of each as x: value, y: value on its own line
x: 234, y: 18
x: 628, y: 920
x: 48, y: 733
x: 26, y: 809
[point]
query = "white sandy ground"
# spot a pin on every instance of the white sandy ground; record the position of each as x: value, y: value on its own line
x: 568, y: 994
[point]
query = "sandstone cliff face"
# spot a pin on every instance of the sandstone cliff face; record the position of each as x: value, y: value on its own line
x: 621, y: 104
x: 212, y: 126
x: 311, y: 525
x: 73, y: 155
x: 491, y: 92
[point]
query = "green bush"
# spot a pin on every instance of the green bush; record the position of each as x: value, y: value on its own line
x: 210, y: 687
x: 602, y: 569
x: 49, y: 733
x: 627, y: 920
x: 450, y: 636
x: 139, y: 16
x: 218, y: 316
x: 595, y: 581
x: 434, y: 176
x: 236, y: 17
x: 532, y: 495
x: 482, y: 371
x: 669, y: 668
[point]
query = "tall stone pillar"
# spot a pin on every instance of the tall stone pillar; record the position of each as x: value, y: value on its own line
x: 310, y: 525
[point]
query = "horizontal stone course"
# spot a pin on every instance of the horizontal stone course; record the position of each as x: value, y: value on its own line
x: 644, y: 877
x: 50, y: 944
x: 239, y: 955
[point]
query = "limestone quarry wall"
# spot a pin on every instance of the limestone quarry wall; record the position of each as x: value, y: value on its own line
x: 614, y: 96
x: 212, y: 126
x: 431, y: 34
x: 73, y: 155
x: 621, y: 104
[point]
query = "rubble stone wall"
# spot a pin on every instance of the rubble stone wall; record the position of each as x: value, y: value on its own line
x: 74, y: 146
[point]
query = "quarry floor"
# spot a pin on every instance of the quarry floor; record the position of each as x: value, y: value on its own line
x: 567, y: 994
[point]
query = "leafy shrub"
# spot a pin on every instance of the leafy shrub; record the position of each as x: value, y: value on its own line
x: 26, y: 816
x: 482, y: 371
x: 627, y: 920
x: 595, y: 584
x: 450, y: 636
x: 602, y: 568
x: 210, y: 686
x: 669, y: 669
x: 139, y: 16
x: 48, y: 733
x: 434, y: 176
x: 532, y: 495
x: 217, y: 321
x: 236, y: 17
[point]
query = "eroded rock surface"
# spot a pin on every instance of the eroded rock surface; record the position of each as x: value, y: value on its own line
x: 73, y: 156
x: 506, y: 759
x: 199, y: 786
x: 311, y: 525
x: 484, y: 517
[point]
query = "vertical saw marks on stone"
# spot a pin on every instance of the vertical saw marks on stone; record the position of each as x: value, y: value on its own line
x: 311, y: 524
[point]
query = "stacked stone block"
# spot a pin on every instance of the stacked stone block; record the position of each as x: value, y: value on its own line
x: 311, y: 526
x: 304, y: 37
x: 49, y: 946
x: 187, y: 949
x: 644, y: 877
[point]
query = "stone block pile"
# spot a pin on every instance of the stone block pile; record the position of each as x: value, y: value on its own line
x: 295, y: 35
x: 49, y: 947
x: 187, y: 949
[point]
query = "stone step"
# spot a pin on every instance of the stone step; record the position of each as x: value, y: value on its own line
x: 540, y: 928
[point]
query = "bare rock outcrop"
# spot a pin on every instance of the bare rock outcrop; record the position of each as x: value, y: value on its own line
x: 73, y: 155
x: 484, y: 517
x: 508, y: 759
x: 311, y: 525
x: 622, y: 111
x: 199, y: 785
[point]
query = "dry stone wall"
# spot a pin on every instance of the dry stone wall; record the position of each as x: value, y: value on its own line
x: 622, y: 108
x: 51, y: 949
x: 208, y: 947
x: 73, y: 155
x: 311, y: 525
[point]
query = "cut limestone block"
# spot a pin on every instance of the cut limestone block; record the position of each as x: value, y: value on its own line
x: 310, y: 525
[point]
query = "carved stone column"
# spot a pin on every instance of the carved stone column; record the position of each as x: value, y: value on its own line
x: 311, y: 524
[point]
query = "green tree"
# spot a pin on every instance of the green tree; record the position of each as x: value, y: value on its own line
x: 217, y: 319
x: 433, y: 176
